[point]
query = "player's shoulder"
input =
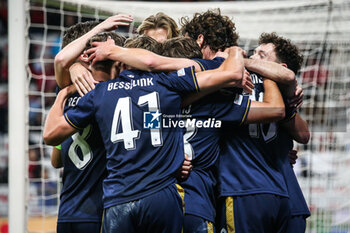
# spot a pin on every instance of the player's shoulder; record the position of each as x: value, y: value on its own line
x: 134, y: 74
x: 207, y: 64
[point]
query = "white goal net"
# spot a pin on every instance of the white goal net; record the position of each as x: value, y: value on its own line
x: 320, y: 28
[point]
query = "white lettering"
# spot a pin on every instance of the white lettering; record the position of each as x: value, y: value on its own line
x: 130, y: 85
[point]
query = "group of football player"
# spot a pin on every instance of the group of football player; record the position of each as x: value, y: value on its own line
x: 176, y: 130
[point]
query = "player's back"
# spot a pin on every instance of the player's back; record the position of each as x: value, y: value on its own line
x: 84, y: 161
x: 202, y: 143
x: 248, y: 164
x: 143, y: 154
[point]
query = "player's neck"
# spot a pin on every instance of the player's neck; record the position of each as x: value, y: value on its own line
x: 208, y: 53
x: 101, y: 76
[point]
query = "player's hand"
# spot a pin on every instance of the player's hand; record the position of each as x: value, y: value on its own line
x: 237, y: 50
x: 82, y: 78
x: 100, y: 51
x: 247, y: 83
x: 292, y: 155
x: 113, y: 22
x: 221, y: 54
x: 297, y: 100
x: 185, y: 169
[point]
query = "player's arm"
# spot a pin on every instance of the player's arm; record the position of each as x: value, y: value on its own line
x: 295, y: 125
x: 136, y: 57
x: 298, y: 129
x: 276, y: 72
x: 56, y: 160
x: 229, y: 73
x: 271, y: 109
x: 271, y: 70
x: 69, y: 54
x: 56, y: 128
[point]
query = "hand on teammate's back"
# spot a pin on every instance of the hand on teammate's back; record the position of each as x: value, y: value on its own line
x: 292, y: 155
x: 82, y: 78
x: 185, y: 170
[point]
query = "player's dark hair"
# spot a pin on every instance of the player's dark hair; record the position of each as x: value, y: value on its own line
x: 160, y: 20
x: 119, y: 40
x: 144, y: 42
x: 219, y: 31
x: 182, y: 47
x: 76, y: 31
x: 286, y: 52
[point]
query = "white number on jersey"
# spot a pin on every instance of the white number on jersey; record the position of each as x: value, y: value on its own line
x: 256, y: 130
x: 123, y: 116
x: 152, y: 100
x: 79, y: 142
x: 191, y: 131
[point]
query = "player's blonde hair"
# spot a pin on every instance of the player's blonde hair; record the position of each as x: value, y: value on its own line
x: 160, y: 20
x: 144, y: 42
x: 182, y: 47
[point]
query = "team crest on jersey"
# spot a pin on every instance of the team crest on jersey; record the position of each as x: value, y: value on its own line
x: 152, y: 120
x: 181, y: 72
x: 238, y: 99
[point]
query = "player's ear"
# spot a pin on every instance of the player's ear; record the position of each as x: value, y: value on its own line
x: 116, y: 69
x: 200, y: 40
x: 84, y: 57
x: 284, y: 64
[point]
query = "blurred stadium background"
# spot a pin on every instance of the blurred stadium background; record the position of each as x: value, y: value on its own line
x: 321, y: 29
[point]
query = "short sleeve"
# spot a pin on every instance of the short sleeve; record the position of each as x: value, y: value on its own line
x: 235, y: 111
x: 183, y: 81
x: 206, y: 64
x: 83, y: 113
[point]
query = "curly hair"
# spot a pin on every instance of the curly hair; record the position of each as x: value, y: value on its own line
x: 286, y: 52
x: 219, y: 31
x: 182, y: 47
x: 76, y: 31
x: 160, y: 20
x: 144, y: 42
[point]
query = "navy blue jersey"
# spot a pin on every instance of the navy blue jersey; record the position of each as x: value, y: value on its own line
x: 297, y: 201
x: 202, y: 143
x: 84, y: 161
x: 211, y: 109
x: 248, y: 163
x: 143, y: 150
x: 206, y: 64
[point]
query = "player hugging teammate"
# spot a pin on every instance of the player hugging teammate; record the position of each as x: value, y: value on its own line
x: 121, y: 160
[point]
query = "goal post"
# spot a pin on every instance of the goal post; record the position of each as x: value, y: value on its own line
x: 18, y: 112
